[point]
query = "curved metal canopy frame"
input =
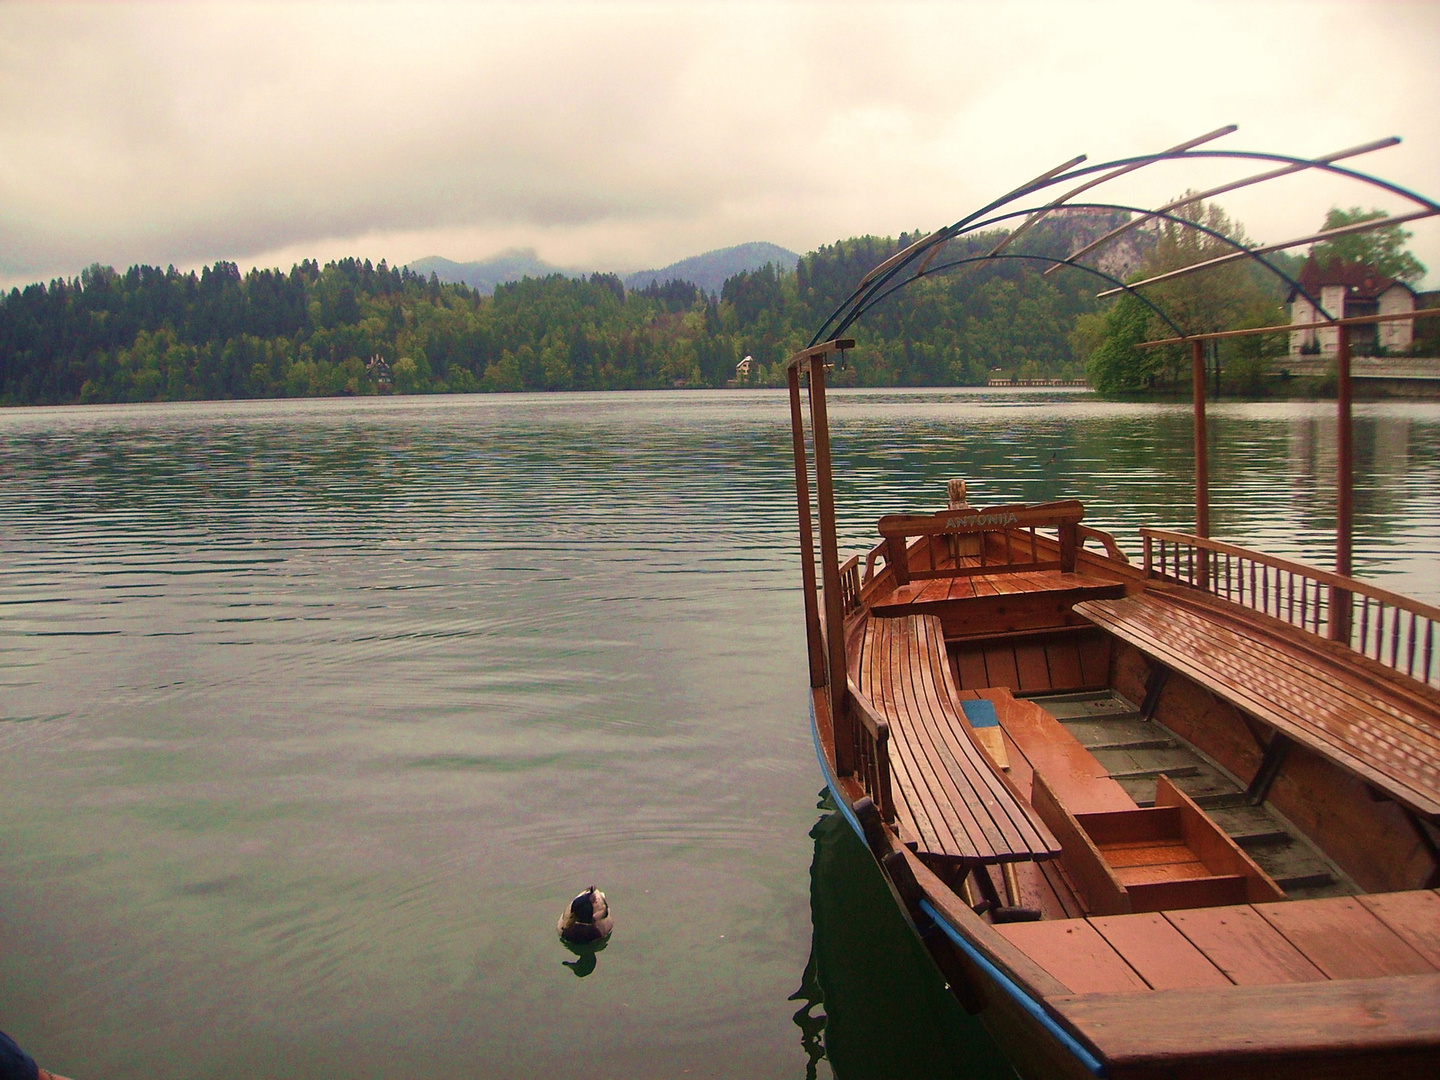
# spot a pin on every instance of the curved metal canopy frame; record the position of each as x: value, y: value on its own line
x: 926, y: 270
x: 912, y: 264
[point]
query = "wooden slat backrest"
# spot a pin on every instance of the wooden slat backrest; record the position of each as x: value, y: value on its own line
x: 1003, y: 520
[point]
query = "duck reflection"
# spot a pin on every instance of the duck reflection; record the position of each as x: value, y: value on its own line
x: 584, y: 962
x: 873, y: 1004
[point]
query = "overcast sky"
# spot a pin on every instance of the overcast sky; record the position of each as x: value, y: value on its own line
x: 625, y: 136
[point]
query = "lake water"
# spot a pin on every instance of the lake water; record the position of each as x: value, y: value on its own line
x: 314, y: 715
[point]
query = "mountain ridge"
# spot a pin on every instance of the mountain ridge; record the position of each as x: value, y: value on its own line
x: 710, y: 270
x: 707, y: 271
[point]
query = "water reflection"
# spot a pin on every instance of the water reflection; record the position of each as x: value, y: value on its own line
x: 886, y: 1011
x: 1272, y: 471
x: 317, y: 707
x: 584, y: 962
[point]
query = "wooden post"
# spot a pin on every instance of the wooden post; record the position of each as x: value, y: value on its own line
x: 813, y: 642
x: 1069, y: 546
x: 1202, y: 461
x: 830, y: 569
x: 959, y: 499
x: 1344, y: 487
x: 1202, y: 456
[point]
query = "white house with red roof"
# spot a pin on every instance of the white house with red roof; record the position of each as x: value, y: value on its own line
x: 1345, y: 290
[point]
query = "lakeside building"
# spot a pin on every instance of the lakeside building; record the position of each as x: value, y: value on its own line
x: 1346, y: 290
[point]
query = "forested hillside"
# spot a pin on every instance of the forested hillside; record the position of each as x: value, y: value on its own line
x: 352, y: 328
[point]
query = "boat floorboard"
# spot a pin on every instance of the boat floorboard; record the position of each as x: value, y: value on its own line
x: 1135, y: 751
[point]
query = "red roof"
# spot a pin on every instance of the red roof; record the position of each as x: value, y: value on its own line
x: 1362, y: 282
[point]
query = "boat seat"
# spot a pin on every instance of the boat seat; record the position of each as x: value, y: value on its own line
x: 953, y: 806
x: 1355, y: 714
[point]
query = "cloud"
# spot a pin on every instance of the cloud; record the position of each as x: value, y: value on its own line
x: 615, y: 134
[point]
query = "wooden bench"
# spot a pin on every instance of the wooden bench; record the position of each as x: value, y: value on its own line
x: 1350, y: 710
x: 951, y: 803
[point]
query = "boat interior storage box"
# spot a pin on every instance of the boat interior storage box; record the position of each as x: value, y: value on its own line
x: 1162, y: 857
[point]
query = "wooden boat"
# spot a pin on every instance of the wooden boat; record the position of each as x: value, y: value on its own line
x: 1171, y: 817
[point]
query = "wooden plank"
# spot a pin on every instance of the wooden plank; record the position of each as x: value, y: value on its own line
x: 1074, y: 775
x: 905, y: 773
x: 1219, y: 853
x: 1158, y: 952
x: 992, y: 787
x: 935, y: 729
x: 1044, y: 892
x: 1372, y: 1028
x: 1062, y: 656
x: 961, y: 588
x: 971, y: 663
x: 1239, y: 942
x: 933, y: 591
x: 1148, y: 824
x: 1031, y: 668
x: 985, y: 520
x: 1192, y: 892
x: 1095, y: 660
x: 1099, y: 890
x: 959, y: 805
x: 1062, y: 890
x: 1343, y: 939
x: 1414, y: 916
x: 939, y: 831
x: 1075, y: 953
x: 1149, y: 854
x: 1146, y: 873
x: 1000, y: 666
x: 986, y: 584
x: 977, y: 835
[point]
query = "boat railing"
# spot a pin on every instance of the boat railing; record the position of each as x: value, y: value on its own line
x: 1104, y: 539
x: 876, y: 559
x: 877, y: 552
x: 1392, y: 629
x: 870, y: 736
x: 850, y: 586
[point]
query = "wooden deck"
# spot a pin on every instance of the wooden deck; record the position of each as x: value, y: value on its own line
x: 951, y: 803
x: 1364, y: 721
x: 1295, y: 941
x: 1379, y: 1029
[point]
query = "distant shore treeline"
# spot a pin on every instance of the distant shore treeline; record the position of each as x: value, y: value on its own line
x: 352, y: 328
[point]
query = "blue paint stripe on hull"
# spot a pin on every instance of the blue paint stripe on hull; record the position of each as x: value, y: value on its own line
x: 1092, y: 1064
x: 1089, y: 1061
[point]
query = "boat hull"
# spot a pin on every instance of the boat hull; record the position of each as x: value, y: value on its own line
x: 1034, y: 1042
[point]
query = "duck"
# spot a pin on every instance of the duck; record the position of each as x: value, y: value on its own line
x: 586, y: 919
